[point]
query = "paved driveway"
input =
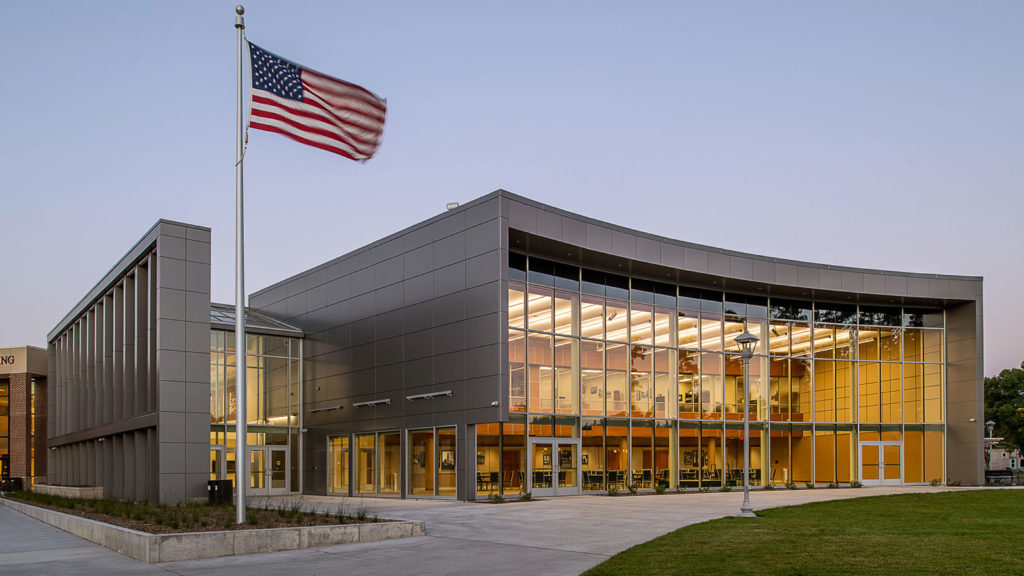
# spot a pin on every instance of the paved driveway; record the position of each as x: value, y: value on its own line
x: 552, y: 536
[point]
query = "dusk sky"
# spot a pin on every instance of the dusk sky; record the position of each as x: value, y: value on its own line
x: 885, y: 135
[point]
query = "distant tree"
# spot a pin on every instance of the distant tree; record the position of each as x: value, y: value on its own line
x: 1004, y: 405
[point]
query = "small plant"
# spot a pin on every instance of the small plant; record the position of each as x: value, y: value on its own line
x: 660, y: 488
x: 790, y: 486
x: 362, y: 512
x: 769, y: 486
x: 295, y: 509
x: 632, y: 489
x: 936, y: 482
x: 727, y: 488
x: 526, y: 496
x: 495, y: 498
x: 953, y: 483
x: 680, y: 489
x: 613, y: 490
x: 809, y: 485
x: 856, y: 484
x: 705, y: 488
x: 833, y: 485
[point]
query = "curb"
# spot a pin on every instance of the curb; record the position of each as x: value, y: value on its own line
x: 153, y: 548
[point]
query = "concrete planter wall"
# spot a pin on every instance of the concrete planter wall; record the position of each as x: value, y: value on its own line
x: 85, y: 492
x: 197, y: 545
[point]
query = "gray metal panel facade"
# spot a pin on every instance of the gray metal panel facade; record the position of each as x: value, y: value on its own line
x: 419, y: 311
x: 131, y: 371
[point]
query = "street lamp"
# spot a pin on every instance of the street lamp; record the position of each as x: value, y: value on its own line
x: 746, y: 341
x: 989, y: 442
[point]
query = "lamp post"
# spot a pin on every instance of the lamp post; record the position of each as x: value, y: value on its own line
x: 988, y: 444
x: 746, y: 341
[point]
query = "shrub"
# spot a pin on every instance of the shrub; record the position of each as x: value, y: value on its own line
x: 953, y: 483
x: 790, y: 485
x: 632, y: 489
x: 495, y: 497
x: 856, y: 484
x: 727, y: 488
x: 613, y: 490
x: 526, y: 496
x: 769, y: 486
x: 660, y: 488
x: 809, y: 485
x: 936, y: 482
x: 833, y: 485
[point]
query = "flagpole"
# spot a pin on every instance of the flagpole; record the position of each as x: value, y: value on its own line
x: 241, y: 412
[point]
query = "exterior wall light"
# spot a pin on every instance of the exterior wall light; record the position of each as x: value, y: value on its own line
x: 325, y: 409
x: 427, y: 396
x: 372, y: 403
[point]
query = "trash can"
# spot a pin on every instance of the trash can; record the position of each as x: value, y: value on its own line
x: 11, y: 485
x: 219, y: 491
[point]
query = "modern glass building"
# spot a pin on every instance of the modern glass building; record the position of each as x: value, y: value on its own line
x: 507, y: 346
x: 617, y: 381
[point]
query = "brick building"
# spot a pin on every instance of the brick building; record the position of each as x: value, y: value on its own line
x: 23, y: 413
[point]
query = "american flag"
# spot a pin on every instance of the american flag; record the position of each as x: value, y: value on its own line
x: 313, y: 108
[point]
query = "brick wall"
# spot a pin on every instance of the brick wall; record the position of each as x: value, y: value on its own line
x: 21, y: 426
x: 20, y: 422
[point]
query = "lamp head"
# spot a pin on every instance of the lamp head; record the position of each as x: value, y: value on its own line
x: 746, y: 341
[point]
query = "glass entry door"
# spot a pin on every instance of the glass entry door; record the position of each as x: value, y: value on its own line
x: 881, y: 463
x: 268, y: 470
x: 553, y: 466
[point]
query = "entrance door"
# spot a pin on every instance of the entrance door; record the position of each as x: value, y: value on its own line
x: 216, y: 463
x: 268, y: 470
x: 552, y: 466
x: 881, y: 463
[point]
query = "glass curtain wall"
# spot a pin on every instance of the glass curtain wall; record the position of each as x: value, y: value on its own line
x: 272, y: 394
x: 620, y: 353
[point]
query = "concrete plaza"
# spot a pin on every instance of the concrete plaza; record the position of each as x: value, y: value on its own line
x: 552, y: 536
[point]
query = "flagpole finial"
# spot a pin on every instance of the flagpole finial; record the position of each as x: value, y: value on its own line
x: 240, y: 9
x: 239, y: 21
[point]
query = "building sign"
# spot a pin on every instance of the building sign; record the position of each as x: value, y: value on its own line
x: 22, y: 359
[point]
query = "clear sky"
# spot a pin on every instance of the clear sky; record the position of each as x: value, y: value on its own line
x: 874, y: 134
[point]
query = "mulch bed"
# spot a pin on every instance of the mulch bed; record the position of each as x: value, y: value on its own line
x: 155, y: 519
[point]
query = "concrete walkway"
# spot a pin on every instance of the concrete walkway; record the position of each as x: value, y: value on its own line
x: 552, y: 536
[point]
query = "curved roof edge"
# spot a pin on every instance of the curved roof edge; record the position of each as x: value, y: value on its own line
x: 741, y: 270
x: 542, y: 220
x: 725, y: 251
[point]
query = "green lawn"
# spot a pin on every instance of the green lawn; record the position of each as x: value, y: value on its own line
x: 970, y: 532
